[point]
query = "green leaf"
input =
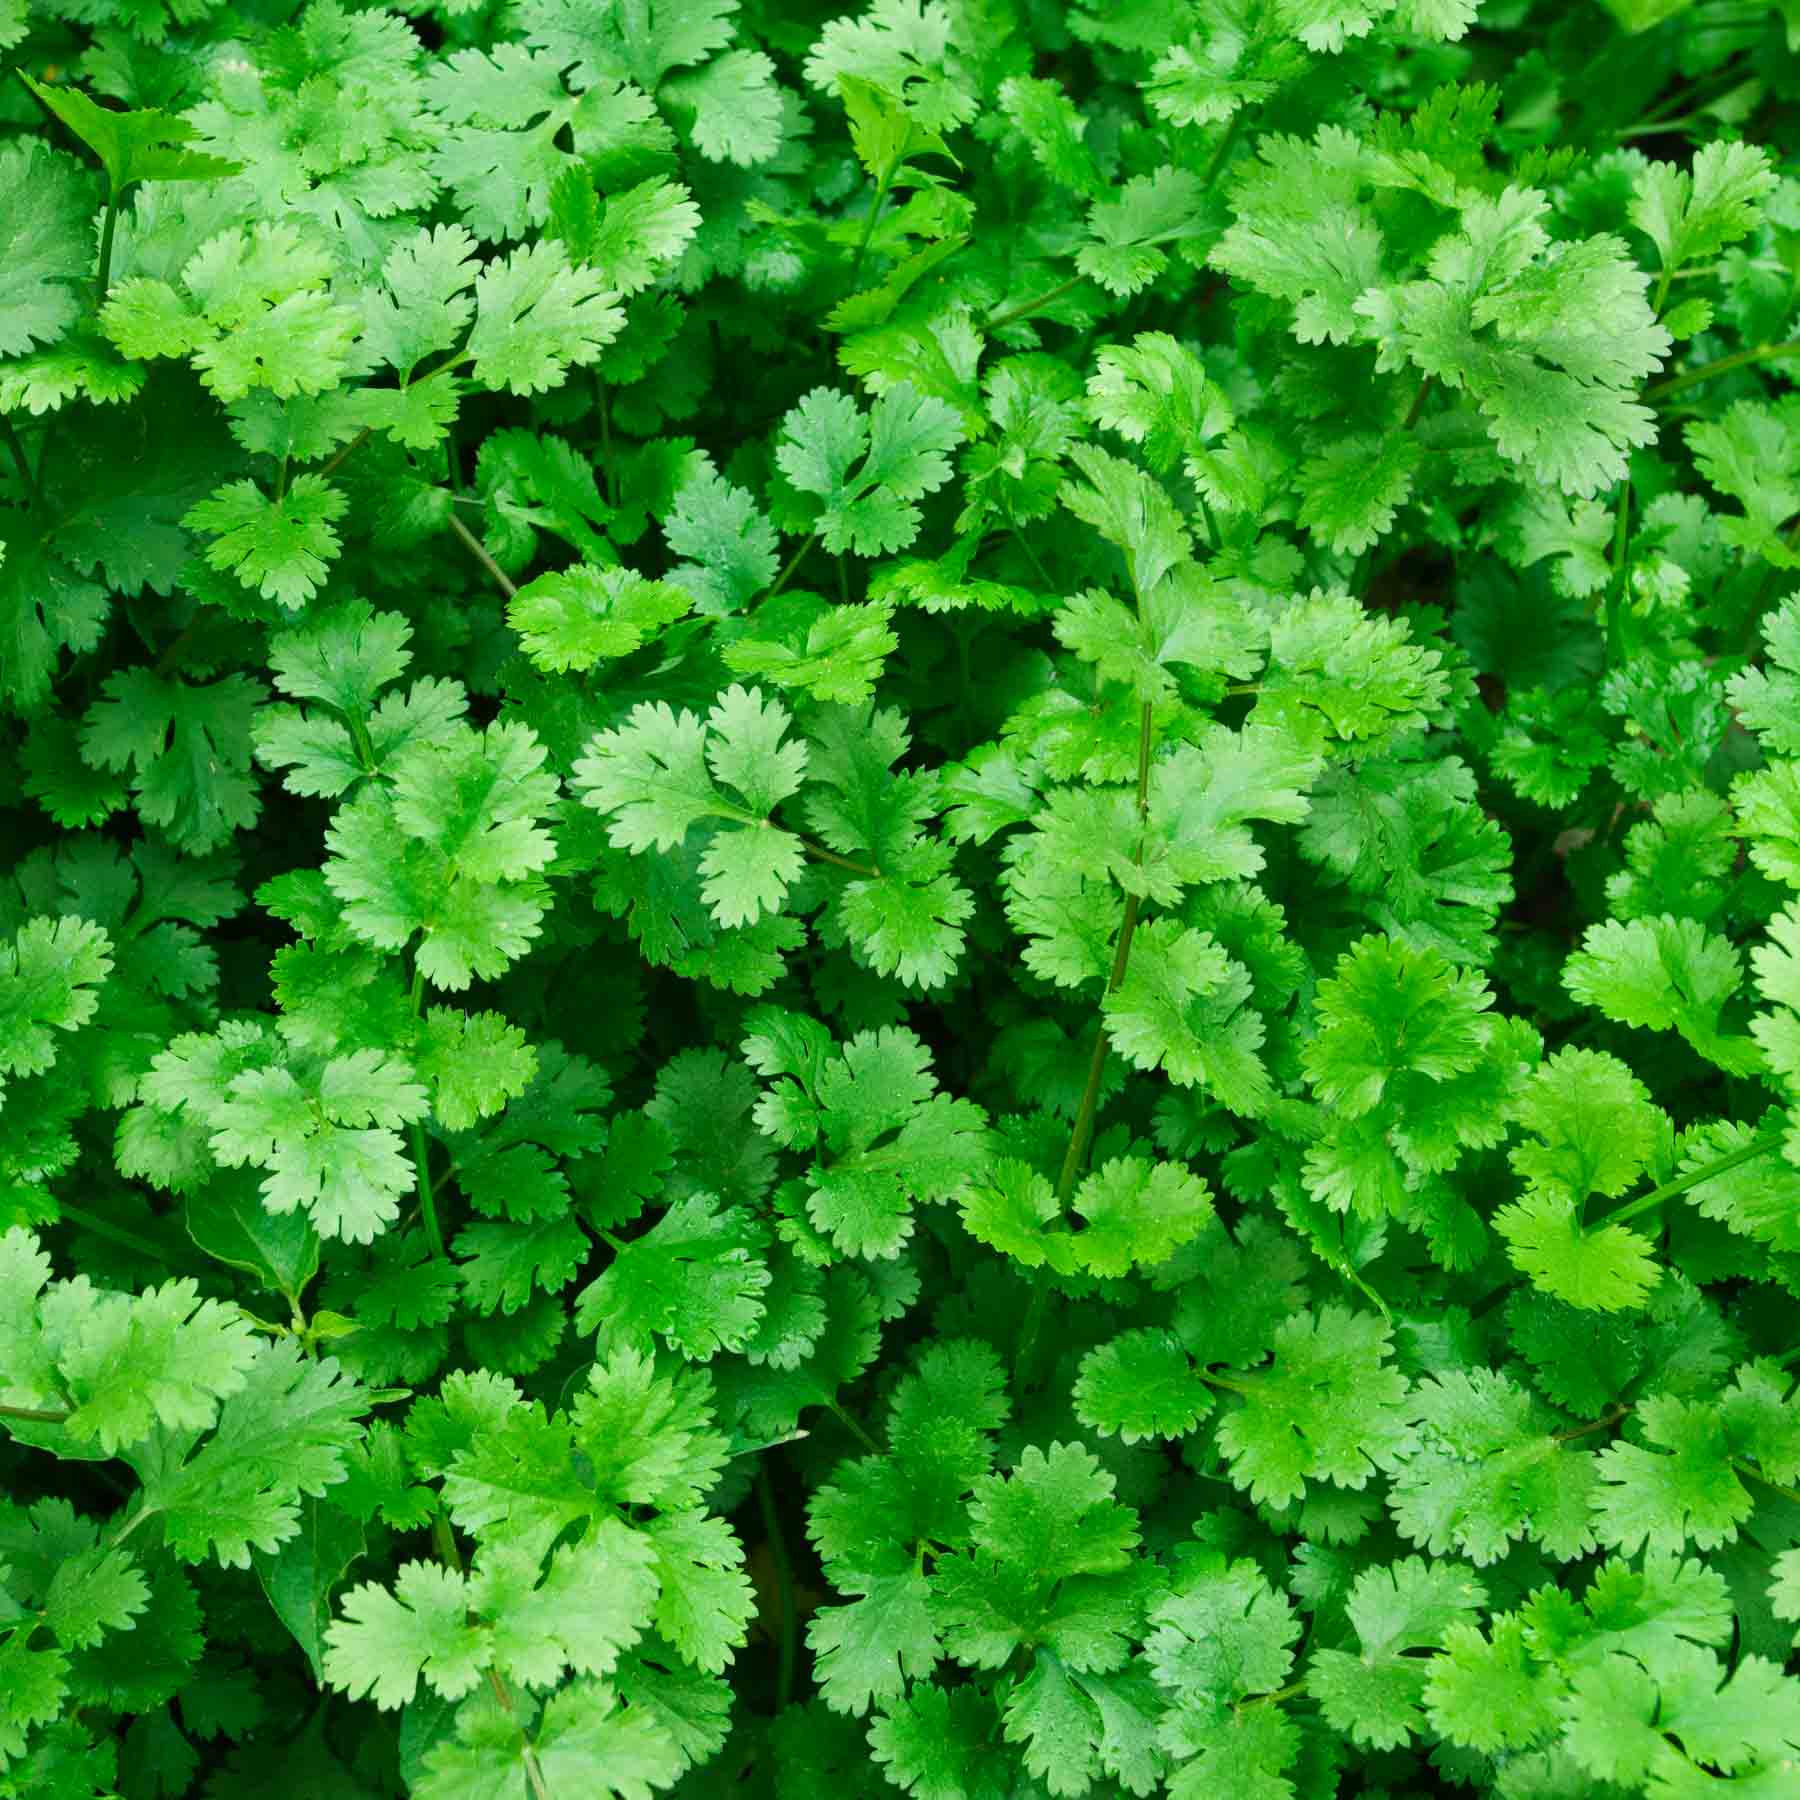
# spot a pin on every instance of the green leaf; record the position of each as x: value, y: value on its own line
x: 535, y: 317
x: 142, y: 145
x: 1331, y: 1408
x: 50, y: 974
x: 47, y: 201
x: 1141, y: 1385
x: 574, y: 618
x: 867, y: 470
x: 280, y: 548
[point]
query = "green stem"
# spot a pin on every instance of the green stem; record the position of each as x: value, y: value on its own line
x: 16, y: 446
x: 33, y: 1415
x: 1723, y: 365
x: 1222, y: 1381
x: 477, y: 549
x: 1083, y: 1133
x: 853, y: 1425
x: 348, y: 451
x: 1774, y: 1487
x: 1615, y: 588
x: 1417, y: 407
x: 1581, y: 1431
x: 1082, y: 1136
x: 793, y: 563
x: 103, y: 276
x: 609, y: 475
x: 130, y: 1525
x: 862, y: 249
x: 1031, y: 556
x: 787, y: 1613
x: 1680, y: 1185
x: 1222, y: 149
x: 434, y: 1234
x: 129, y: 1240
x: 1292, y: 1691
x: 819, y: 853
x: 1026, y: 308
x: 1662, y: 289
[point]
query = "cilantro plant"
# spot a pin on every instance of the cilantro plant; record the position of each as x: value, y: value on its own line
x: 899, y: 900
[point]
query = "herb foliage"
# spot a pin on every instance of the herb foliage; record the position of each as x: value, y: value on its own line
x: 899, y: 901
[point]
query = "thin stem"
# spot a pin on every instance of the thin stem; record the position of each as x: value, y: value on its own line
x: 1082, y: 1136
x: 793, y: 563
x: 1222, y: 1381
x: 787, y: 1614
x: 820, y: 854
x: 1774, y: 1487
x: 1680, y: 1185
x: 1723, y: 365
x: 1662, y: 289
x: 16, y: 446
x: 1026, y: 308
x: 129, y: 1240
x: 103, y: 276
x: 130, y: 1525
x: 349, y: 450
x: 1292, y: 1691
x: 1417, y: 407
x: 1615, y: 588
x: 478, y: 550
x: 434, y: 1234
x: 1031, y: 556
x: 853, y: 1425
x: 1222, y: 149
x: 1581, y: 1431
x: 33, y: 1415
x: 609, y: 475
x: 862, y: 249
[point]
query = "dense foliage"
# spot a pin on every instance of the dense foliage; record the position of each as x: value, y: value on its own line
x: 899, y: 902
